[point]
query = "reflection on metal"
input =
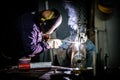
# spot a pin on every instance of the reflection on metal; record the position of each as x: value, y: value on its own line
x: 104, y: 9
x: 78, y: 60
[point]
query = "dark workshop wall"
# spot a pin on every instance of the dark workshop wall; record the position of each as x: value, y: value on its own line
x: 10, y: 42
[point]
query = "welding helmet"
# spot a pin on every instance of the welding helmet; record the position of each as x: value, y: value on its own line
x: 49, y: 23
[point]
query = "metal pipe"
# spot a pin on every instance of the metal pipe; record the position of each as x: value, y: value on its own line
x: 96, y: 40
x: 94, y: 63
x: 95, y: 53
x: 46, y: 5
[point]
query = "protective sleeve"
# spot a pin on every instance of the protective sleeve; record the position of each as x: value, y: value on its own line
x: 31, y: 37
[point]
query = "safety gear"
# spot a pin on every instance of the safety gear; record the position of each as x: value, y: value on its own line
x: 55, y: 25
x: 54, y: 43
x: 49, y: 17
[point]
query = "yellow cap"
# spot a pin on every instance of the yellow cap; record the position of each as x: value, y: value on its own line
x: 49, y: 17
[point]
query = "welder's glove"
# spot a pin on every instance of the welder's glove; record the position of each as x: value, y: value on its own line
x: 54, y: 43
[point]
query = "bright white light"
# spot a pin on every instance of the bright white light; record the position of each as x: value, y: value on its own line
x: 77, y: 44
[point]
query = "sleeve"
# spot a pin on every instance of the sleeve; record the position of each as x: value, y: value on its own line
x: 32, y: 39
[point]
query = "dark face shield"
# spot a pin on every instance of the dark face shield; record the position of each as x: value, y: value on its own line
x: 51, y: 23
x: 56, y: 24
